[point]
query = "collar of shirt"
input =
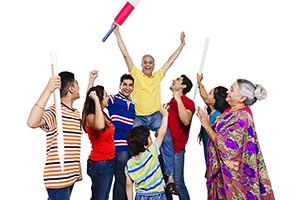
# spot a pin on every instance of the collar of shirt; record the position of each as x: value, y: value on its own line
x: 73, y: 109
x: 124, y: 97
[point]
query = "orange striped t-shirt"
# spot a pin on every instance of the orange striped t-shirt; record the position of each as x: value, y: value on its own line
x: 54, y: 177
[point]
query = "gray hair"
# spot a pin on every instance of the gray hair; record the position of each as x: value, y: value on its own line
x: 148, y: 55
x: 253, y: 92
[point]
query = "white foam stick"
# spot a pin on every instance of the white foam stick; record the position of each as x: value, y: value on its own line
x: 60, y: 133
x: 202, y: 63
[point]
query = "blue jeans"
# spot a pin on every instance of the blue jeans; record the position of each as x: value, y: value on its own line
x: 60, y: 193
x: 153, y: 121
x: 150, y: 196
x: 101, y: 174
x: 179, y: 176
x: 119, y: 188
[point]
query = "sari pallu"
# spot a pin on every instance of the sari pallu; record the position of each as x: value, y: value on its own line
x: 235, y: 166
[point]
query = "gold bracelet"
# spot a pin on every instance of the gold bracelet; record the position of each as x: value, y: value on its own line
x: 40, y: 107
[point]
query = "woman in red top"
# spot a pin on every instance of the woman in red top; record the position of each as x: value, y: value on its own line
x: 95, y: 122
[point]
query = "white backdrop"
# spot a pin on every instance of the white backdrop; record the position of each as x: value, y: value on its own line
x: 257, y: 40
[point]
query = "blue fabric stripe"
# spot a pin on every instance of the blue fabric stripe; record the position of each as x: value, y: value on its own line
x: 118, y: 107
x: 154, y: 186
x: 150, y: 175
x: 141, y: 166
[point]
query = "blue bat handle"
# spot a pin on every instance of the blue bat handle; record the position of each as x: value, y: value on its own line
x: 108, y: 33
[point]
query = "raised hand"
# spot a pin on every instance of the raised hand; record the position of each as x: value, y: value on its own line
x: 93, y: 95
x: 54, y: 82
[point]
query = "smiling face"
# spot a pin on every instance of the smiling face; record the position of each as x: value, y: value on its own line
x: 211, y: 98
x: 234, y: 96
x: 147, y: 65
x: 126, y: 87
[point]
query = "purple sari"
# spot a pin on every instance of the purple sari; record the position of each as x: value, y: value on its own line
x: 236, y: 167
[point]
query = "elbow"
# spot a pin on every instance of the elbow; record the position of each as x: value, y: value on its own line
x: 99, y: 127
x: 186, y: 122
x: 30, y: 124
x: 128, y: 185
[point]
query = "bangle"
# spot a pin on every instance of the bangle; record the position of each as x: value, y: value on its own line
x: 40, y: 107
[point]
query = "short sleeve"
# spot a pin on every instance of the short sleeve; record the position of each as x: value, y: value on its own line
x: 154, y: 150
x: 49, y: 118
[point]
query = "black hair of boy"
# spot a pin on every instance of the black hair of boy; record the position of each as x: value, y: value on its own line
x: 137, y: 139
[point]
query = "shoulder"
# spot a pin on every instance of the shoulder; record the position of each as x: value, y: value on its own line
x: 189, y: 103
x: 50, y: 112
x: 135, y: 71
x: 187, y: 99
x: 215, y: 114
x: 159, y: 73
x: 239, y: 117
x: 154, y: 149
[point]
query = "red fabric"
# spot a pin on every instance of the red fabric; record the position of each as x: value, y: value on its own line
x: 179, y: 132
x: 124, y: 13
x: 103, y: 147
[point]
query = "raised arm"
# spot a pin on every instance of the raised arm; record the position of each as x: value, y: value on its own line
x: 185, y: 115
x: 161, y: 132
x: 202, y: 91
x: 97, y: 120
x: 93, y: 76
x: 122, y: 47
x: 174, y: 56
x: 35, y: 117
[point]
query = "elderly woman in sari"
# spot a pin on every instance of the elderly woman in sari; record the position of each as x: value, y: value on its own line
x: 236, y: 168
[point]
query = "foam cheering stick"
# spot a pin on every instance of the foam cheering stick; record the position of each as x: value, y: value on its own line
x: 202, y: 63
x: 122, y: 16
x: 58, y: 115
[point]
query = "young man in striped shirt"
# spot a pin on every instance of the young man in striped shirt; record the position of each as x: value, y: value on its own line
x: 59, y: 182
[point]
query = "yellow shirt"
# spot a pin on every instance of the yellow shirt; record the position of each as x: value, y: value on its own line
x: 146, y: 91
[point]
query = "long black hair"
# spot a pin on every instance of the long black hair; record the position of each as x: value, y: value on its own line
x: 89, y: 105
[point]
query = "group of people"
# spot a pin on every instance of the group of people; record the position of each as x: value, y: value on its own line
x: 122, y: 146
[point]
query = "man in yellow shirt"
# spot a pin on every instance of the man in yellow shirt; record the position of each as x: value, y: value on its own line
x: 146, y: 96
